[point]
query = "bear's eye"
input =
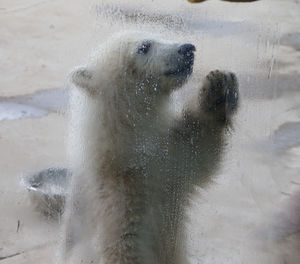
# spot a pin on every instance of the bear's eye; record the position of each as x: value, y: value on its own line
x: 144, y: 48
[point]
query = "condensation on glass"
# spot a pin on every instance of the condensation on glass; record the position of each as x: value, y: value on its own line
x: 245, y: 206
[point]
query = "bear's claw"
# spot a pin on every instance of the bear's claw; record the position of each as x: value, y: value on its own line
x: 219, y: 95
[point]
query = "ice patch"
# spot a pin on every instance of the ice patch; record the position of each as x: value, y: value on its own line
x: 35, y: 105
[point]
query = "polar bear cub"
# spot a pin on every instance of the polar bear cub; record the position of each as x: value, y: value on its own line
x: 135, y: 159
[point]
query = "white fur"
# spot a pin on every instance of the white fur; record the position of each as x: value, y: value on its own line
x: 134, y: 159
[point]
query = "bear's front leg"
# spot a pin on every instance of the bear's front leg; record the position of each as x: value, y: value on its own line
x: 219, y: 97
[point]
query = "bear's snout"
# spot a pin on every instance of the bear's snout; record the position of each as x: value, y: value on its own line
x: 187, y: 49
x: 182, y: 62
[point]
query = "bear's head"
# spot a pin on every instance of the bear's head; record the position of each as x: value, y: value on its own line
x: 135, y: 61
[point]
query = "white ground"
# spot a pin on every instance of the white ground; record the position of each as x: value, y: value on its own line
x: 245, y: 215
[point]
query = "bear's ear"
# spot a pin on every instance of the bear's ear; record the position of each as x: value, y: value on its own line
x: 83, y: 77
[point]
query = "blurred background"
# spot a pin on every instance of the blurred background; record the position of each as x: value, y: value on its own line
x: 251, y: 211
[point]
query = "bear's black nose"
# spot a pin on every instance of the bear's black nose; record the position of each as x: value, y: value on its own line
x: 186, y: 49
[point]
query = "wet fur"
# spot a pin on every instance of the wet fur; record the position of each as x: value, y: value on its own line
x: 135, y: 162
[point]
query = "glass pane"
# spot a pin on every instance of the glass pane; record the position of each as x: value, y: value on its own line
x: 209, y: 182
